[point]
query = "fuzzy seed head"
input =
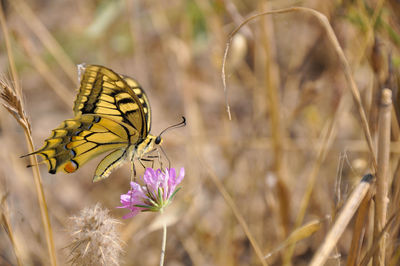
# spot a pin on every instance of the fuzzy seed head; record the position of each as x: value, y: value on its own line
x: 95, y: 240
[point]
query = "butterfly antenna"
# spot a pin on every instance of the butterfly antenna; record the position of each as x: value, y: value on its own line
x: 181, y: 124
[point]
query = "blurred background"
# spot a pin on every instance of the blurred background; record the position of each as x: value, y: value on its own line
x: 286, y: 90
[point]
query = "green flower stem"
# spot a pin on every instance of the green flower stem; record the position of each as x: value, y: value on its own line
x: 164, y: 241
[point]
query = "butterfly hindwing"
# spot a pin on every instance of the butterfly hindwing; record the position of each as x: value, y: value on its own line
x: 78, y: 140
x: 106, y: 93
x: 109, y: 163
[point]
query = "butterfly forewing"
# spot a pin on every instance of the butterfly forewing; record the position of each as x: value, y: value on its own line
x: 106, y: 93
x: 141, y: 94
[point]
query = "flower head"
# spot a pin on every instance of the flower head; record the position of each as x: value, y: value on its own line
x: 157, y: 192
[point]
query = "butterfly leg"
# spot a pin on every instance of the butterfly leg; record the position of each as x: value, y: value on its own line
x: 147, y: 159
x: 133, y: 172
x: 165, y: 154
x: 141, y: 162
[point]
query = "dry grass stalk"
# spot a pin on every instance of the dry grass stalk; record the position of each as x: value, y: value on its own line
x: 359, y: 231
x: 382, y: 176
x: 10, y: 54
x: 45, y: 37
x: 271, y: 85
x: 350, y: 207
x: 5, y: 222
x: 299, y: 234
x: 13, y: 104
x: 11, y: 100
x: 395, y: 258
x: 377, y: 242
x: 394, y: 252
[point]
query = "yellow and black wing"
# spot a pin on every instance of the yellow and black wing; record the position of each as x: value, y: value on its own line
x: 141, y: 94
x: 109, y: 94
x: 78, y: 140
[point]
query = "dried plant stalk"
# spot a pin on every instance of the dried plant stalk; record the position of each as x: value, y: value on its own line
x: 11, y: 100
x: 5, y: 222
x: 375, y: 245
x: 358, y: 232
x: 382, y: 176
x: 342, y: 221
x: 13, y: 104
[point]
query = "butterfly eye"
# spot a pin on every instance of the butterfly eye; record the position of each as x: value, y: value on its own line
x: 158, y: 140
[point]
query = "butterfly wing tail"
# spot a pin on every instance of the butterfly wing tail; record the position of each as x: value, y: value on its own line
x: 46, y: 160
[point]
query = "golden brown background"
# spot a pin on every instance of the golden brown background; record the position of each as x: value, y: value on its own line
x: 284, y: 84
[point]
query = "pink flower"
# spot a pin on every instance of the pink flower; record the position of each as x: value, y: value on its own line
x: 157, y: 192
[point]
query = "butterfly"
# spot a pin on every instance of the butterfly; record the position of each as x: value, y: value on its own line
x: 112, y: 114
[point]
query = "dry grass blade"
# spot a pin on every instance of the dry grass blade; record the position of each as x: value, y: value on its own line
x: 5, y: 222
x: 350, y: 207
x: 13, y: 104
x: 10, y: 54
x: 375, y: 247
x: 356, y: 241
x: 395, y: 258
x: 299, y: 234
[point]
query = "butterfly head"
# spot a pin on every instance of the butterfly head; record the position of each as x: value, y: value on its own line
x: 158, y: 140
x: 151, y: 142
